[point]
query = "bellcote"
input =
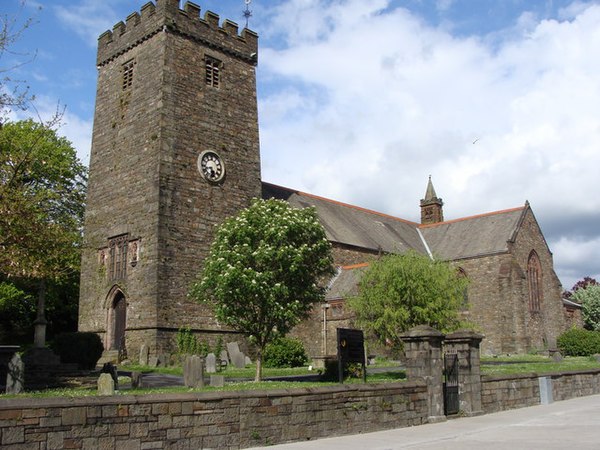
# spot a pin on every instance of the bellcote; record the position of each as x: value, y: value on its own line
x: 431, y: 206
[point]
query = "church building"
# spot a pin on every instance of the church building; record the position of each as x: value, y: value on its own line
x: 175, y: 151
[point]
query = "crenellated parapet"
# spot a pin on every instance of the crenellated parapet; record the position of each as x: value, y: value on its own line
x: 166, y: 16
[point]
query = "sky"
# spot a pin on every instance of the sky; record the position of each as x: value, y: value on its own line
x: 362, y: 100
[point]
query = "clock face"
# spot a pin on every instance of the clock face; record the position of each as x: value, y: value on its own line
x: 210, y: 166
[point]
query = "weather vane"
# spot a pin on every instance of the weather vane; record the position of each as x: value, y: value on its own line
x: 247, y: 11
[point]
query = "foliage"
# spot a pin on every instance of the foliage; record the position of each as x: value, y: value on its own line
x: 85, y: 349
x: 398, y: 292
x: 581, y: 284
x: 42, y: 194
x: 262, y: 274
x: 188, y: 344
x: 285, y: 352
x: 579, y: 342
x: 14, y: 93
x: 17, y: 312
x: 589, y: 298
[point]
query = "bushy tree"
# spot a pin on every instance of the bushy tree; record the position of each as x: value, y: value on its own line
x: 581, y: 284
x: 42, y: 195
x: 262, y: 275
x: 589, y: 298
x: 398, y: 292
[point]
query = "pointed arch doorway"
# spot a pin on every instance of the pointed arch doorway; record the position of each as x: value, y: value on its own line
x: 117, y: 321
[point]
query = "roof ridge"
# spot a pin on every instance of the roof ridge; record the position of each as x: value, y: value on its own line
x: 359, y: 208
x: 476, y: 216
x: 356, y: 266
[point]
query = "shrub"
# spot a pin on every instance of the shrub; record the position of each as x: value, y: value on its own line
x: 83, y: 349
x: 285, y: 352
x: 579, y: 342
x: 188, y: 344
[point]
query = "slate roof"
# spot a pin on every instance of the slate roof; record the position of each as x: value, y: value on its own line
x: 354, y: 226
x: 469, y: 237
x: 345, y: 283
x: 484, y: 234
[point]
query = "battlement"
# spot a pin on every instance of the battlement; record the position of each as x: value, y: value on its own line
x: 166, y: 16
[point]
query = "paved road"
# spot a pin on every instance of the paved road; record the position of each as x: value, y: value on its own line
x: 570, y: 424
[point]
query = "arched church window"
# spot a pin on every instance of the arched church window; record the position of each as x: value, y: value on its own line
x: 534, y: 278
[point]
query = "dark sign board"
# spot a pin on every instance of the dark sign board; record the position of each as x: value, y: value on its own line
x: 351, y: 349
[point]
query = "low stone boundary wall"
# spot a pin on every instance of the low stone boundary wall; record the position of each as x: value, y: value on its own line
x: 499, y: 393
x: 235, y: 419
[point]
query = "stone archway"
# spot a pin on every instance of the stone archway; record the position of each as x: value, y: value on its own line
x: 117, y: 321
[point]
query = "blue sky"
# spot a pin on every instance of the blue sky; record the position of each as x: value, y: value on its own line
x: 362, y: 100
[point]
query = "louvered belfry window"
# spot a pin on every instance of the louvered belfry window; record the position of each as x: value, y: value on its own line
x: 127, y: 70
x: 213, y: 72
x: 117, y: 247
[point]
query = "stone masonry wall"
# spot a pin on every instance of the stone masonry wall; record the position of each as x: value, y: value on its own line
x: 219, y: 420
x: 518, y: 391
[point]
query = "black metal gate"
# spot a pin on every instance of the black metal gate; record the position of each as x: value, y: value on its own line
x: 451, y: 400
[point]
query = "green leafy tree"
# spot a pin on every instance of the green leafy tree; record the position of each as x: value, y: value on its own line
x: 398, y: 292
x: 263, y: 271
x: 589, y: 297
x: 42, y: 195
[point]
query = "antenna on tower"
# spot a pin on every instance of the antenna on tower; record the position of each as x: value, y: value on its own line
x: 247, y: 11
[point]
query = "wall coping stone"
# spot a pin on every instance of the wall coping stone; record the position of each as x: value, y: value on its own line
x: 128, y: 399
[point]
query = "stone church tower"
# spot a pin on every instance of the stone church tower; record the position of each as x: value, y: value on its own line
x: 175, y: 151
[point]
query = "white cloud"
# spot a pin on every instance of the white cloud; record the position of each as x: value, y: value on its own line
x: 495, y: 124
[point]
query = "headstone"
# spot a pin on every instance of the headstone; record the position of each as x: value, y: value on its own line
x: 136, y: 380
x: 224, y: 357
x: 211, y: 363
x: 15, y: 377
x: 247, y: 361
x: 163, y: 360
x: 217, y: 380
x: 232, y: 348
x: 111, y: 369
x: 153, y: 361
x: 556, y: 356
x: 597, y: 357
x: 239, y: 360
x: 193, y: 372
x: 106, y: 385
x: 144, y: 353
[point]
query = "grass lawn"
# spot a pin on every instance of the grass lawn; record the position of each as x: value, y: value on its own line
x: 536, y: 364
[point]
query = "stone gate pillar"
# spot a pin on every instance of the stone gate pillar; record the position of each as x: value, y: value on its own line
x: 466, y: 344
x: 423, y: 352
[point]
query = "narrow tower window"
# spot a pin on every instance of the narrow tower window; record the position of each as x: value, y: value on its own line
x: 117, y: 247
x: 534, y: 278
x: 127, y: 70
x: 213, y: 74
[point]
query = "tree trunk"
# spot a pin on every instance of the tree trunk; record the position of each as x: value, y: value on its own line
x: 259, y: 356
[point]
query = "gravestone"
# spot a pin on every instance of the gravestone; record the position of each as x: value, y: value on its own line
x: 136, y: 380
x: 224, y: 357
x: 15, y: 377
x: 217, y: 380
x: 193, y: 372
x: 106, y: 385
x: 111, y: 369
x: 232, y: 348
x: 247, y: 360
x: 144, y: 353
x: 239, y: 360
x: 211, y: 363
x: 153, y: 361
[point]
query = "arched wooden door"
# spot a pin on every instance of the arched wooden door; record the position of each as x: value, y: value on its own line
x: 120, y: 319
